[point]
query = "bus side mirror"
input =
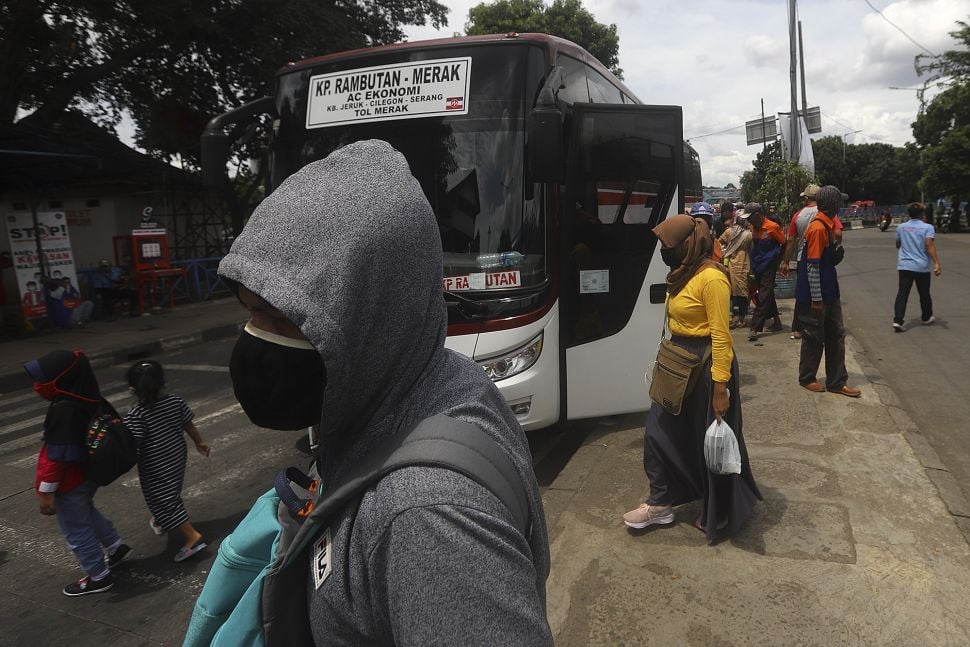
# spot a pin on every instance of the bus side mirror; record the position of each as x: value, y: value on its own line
x: 215, y: 154
x: 546, y: 156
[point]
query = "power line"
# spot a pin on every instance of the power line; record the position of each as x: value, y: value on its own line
x: 720, y: 132
x: 900, y: 29
x: 844, y: 125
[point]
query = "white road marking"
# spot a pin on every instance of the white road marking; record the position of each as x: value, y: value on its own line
x: 7, y: 400
x: 205, y: 368
x: 114, y: 398
x: 34, y: 439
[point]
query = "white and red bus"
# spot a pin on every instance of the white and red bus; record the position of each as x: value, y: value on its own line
x: 546, y: 175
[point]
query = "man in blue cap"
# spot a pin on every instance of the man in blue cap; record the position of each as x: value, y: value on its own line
x: 705, y: 211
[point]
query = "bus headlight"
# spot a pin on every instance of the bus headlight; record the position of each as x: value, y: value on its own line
x: 499, y: 368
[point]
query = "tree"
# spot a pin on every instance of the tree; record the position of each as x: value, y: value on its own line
x: 173, y: 67
x: 830, y: 155
x: 942, y: 127
x: 752, y: 179
x: 880, y: 172
x: 784, y: 180
x: 564, y: 18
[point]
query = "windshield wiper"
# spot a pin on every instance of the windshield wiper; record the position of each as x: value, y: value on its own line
x: 468, y: 307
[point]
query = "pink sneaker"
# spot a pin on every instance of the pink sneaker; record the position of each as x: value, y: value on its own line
x: 649, y: 515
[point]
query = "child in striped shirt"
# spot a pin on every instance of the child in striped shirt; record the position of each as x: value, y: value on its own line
x: 158, y: 422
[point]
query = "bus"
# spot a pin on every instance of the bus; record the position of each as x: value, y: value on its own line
x: 546, y: 175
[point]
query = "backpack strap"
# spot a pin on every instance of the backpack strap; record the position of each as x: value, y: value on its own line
x: 438, y: 441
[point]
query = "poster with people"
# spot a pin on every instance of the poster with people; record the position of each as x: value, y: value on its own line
x: 60, y: 290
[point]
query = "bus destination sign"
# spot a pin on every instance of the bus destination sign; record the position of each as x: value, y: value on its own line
x: 403, y: 91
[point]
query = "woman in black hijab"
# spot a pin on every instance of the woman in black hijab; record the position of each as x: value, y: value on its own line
x: 698, y: 304
x: 65, y: 379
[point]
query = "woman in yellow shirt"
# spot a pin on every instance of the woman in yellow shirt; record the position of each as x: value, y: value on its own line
x: 698, y: 294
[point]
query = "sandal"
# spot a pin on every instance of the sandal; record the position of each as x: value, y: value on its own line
x: 184, y: 553
x: 796, y: 335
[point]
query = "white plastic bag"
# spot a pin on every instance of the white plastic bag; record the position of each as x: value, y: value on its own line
x: 721, y: 449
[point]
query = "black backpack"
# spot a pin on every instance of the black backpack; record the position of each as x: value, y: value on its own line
x: 112, y: 449
x: 836, y: 251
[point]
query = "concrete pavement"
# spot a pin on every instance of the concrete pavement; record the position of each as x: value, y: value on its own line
x: 852, y: 545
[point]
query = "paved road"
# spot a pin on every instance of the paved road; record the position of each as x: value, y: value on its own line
x: 928, y: 366
x: 152, y: 599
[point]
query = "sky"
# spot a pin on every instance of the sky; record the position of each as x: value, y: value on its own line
x: 719, y: 58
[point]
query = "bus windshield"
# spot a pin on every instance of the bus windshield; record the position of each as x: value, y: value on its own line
x: 469, y: 164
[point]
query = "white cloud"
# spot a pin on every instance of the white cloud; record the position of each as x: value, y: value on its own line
x: 719, y: 58
x: 761, y: 50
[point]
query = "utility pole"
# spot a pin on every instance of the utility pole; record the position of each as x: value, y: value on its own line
x: 795, y: 130
x: 801, y: 64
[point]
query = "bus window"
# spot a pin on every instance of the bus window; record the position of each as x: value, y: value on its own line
x: 601, y: 90
x: 625, y: 171
x: 574, y: 78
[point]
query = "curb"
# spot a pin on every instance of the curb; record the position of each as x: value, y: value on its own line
x: 16, y: 380
x: 949, y: 489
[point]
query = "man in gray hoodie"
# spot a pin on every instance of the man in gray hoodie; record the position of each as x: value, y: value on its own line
x: 341, y: 270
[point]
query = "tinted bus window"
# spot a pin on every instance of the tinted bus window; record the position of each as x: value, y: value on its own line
x: 574, y: 78
x: 470, y: 166
x: 600, y: 89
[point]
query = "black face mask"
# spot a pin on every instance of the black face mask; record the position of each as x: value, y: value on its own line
x: 671, y: 257
x: 279, y: 386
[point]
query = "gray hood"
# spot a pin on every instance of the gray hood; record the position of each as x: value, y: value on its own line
x: 348, y: 249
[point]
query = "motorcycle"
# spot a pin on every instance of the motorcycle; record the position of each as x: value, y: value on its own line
x: 944, y: 221
x: 884, y: 221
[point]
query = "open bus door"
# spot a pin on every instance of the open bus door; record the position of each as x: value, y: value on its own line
x: 624, y: 176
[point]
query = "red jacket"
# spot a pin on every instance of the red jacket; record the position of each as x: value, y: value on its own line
x: 56, y: 476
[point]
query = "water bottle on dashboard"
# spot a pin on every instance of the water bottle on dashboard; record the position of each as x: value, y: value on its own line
x: 503, y: 259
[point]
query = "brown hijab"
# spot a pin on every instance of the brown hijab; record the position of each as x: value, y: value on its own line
x: 691, y: 237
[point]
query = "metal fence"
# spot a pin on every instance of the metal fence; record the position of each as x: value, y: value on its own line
x: 201, y: 281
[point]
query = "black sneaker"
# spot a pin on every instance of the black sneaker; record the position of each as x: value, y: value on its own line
x: 87, y: 586
x: 120, y: 554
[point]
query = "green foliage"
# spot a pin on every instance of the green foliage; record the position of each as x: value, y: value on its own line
x: 784, y: 180
x: 173, y: 65
x: 880, y: 172
x: 564, y: 18
x: 752, y: 179
x: 942, y: 127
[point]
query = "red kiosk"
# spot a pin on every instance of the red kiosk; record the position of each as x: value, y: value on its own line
x: 150, y: 264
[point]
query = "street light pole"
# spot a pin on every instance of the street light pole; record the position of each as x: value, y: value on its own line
x: 843, y: 156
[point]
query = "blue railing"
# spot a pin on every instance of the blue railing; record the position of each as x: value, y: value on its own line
x: 201, y: 281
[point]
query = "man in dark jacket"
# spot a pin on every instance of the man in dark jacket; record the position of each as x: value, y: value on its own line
x: 341, y: 270
x: 817, y: 289
x: 768, y: 240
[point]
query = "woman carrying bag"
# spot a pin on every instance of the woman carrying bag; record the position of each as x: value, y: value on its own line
x: 673, y: 451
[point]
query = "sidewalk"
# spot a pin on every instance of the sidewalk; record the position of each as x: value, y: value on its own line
x: 125, y: 339
x: 851, y: 546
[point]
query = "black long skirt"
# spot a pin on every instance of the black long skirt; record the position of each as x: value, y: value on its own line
x: 673, y: 454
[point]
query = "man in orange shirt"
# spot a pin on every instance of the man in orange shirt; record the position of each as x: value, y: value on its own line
x: 817, y: 290
x: 767, y: 242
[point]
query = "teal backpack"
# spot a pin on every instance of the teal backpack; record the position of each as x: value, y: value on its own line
x: 256, y: 592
